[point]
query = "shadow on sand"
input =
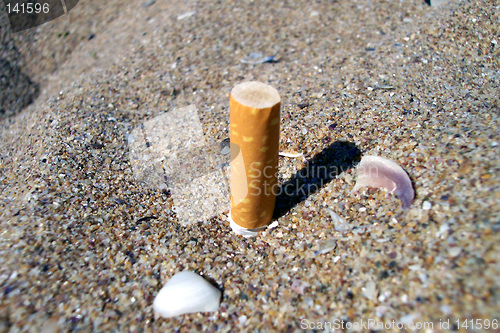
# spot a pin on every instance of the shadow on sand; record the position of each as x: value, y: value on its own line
x: 16, y: 89
x: 319, y: 171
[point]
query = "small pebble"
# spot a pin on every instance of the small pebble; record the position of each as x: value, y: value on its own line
x: 381, y: 310
x: 383, y: 86
x: 446, y: 309
x: 370, y: 290
x: 225, y: 146
x: 242, y: 319
x: 326, y: 246
x: 257, y: 58
x: 465, y: 168
x: 384, y: 296
x: 299, y: 286
x: 309, y: 301
x: 185, y: 15
x: 409, y: 319
x: 443, y: 230
x: 273, y: 225
x: 454, y: 251
x: 426, y: 205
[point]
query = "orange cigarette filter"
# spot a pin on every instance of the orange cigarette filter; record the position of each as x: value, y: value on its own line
x: 254, y: 114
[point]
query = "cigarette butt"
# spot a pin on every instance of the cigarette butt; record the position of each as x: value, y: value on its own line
x: 254, y: 133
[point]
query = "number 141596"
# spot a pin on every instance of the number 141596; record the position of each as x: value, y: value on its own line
x: 477, y: 324
x: 28, y: 8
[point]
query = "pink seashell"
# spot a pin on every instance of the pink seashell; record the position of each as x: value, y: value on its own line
x: 379, y: 172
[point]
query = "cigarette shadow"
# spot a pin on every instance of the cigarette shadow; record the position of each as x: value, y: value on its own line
x: 319, y: 171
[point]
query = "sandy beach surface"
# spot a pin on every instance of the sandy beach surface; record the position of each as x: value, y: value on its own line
x: 84, y: 247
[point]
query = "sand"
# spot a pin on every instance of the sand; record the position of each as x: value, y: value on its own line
x: 84, y: 247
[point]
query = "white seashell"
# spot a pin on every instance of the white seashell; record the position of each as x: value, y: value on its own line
x: 186, y: 292
x: 185, y: 15
x: 340, y: 224
x: 370, y: 290
x: 379, y: 172
x: 293, y: 155
x: 326, y: 246
x: 426, y: 205
x: 273, y: 225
